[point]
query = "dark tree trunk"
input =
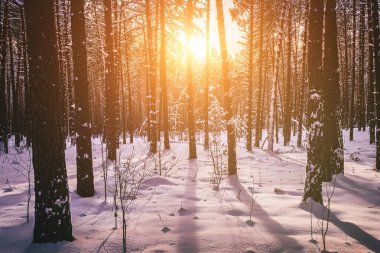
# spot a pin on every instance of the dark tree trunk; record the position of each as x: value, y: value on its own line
x: 346, y: 89
x: 52, y: 207
x: 111, y: 103
x: 85, y: 176
x: 371, y: 84
x: 3, y: 85
x: 361, y: 81
x: 313, y: 182
x: 332, y: 127
x: 353, y: 73
x: 229, y: 117
x: 376, y: 49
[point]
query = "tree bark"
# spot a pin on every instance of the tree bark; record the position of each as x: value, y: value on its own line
x: 353, y: 73
x: 110, y: 107
x: 376, y: 49
x: 85, y: 176
x: 371, y: 80
x: 313, y: 182
x: 52, y: 207
x: 332, y: 133
x: 190, y: 85
x: 164, y: 89
x: 250, y: 78
x: 229, y: 117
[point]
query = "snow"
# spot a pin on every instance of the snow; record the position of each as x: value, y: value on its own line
x: 201, y: 219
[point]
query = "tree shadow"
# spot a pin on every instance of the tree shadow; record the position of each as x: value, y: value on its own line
x: 354, y: 188
x: 187, y: 226
x: 348, y: 228
x: 288, y: 244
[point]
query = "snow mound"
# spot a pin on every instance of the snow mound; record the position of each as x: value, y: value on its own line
x: 157, y: 181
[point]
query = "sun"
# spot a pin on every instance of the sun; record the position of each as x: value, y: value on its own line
x: 198, y: 47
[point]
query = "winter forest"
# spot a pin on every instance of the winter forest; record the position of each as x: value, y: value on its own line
x: 189, y: 126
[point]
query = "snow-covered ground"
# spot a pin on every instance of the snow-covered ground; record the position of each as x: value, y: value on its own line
x: 201, y: 219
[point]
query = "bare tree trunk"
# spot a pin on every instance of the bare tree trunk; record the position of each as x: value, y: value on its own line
x: 314, y: 166
x: 85, y: 175
x: 207, y: 75
x: 332, y: 133
x: 304, y: 79
x: 152, y: 82
x: 52, y: 207
x: 260, y: 95
x: 250, y: 79
x: 164, y: 89
x: 229, y: 117
x: 371, y: 80
x: 190, y: 85
x: 110, y: 110
x: 376, y: 49
x: 3, y: 84
x: 288, y: 89
x: 353, y: 73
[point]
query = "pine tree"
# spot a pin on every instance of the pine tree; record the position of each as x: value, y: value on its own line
x: 164, y: 88
x: 152, y: 81
x: 3, y: 85
x: 371, y: 80
x: 207, y: 75
x: 250, y: 78
x: 313, y: 182
x: 52, y: 204
x: 376, y: 50
x: 259, y: 116
x: 229, y: 117
x: 190, y: 85
x: 110, y: 110
x: 288, y: 89
x: 85, y: 176
x: 353, y: 73
x: 332, y: 134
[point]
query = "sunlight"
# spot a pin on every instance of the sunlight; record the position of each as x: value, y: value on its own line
x: 198, y: 47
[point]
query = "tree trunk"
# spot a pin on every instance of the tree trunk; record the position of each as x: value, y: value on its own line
x: 3, y: 85
x: 361, y: 82
x: 288, y: 90
x: 164, y: 89
x: 304, y: 79
x: 229, y: 117
x: 376, y: 49
x: 260, y: 95
x: 332, y: 133
x: 353, y: 74
x: 110, y: 110
x: 371, y: 84
x: 313, y: 182
x: 190, y: 85
x: 52, y: 207
x: 250, y: 79
x: 85, y: 176
x: 207, y: 75
x: 152, y: 82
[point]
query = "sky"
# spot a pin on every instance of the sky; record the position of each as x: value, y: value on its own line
x: 233, y: 34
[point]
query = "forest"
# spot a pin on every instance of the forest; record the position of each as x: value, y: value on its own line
x: 189, y: 126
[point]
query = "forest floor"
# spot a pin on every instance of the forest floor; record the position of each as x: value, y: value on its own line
x: 202, y: 219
